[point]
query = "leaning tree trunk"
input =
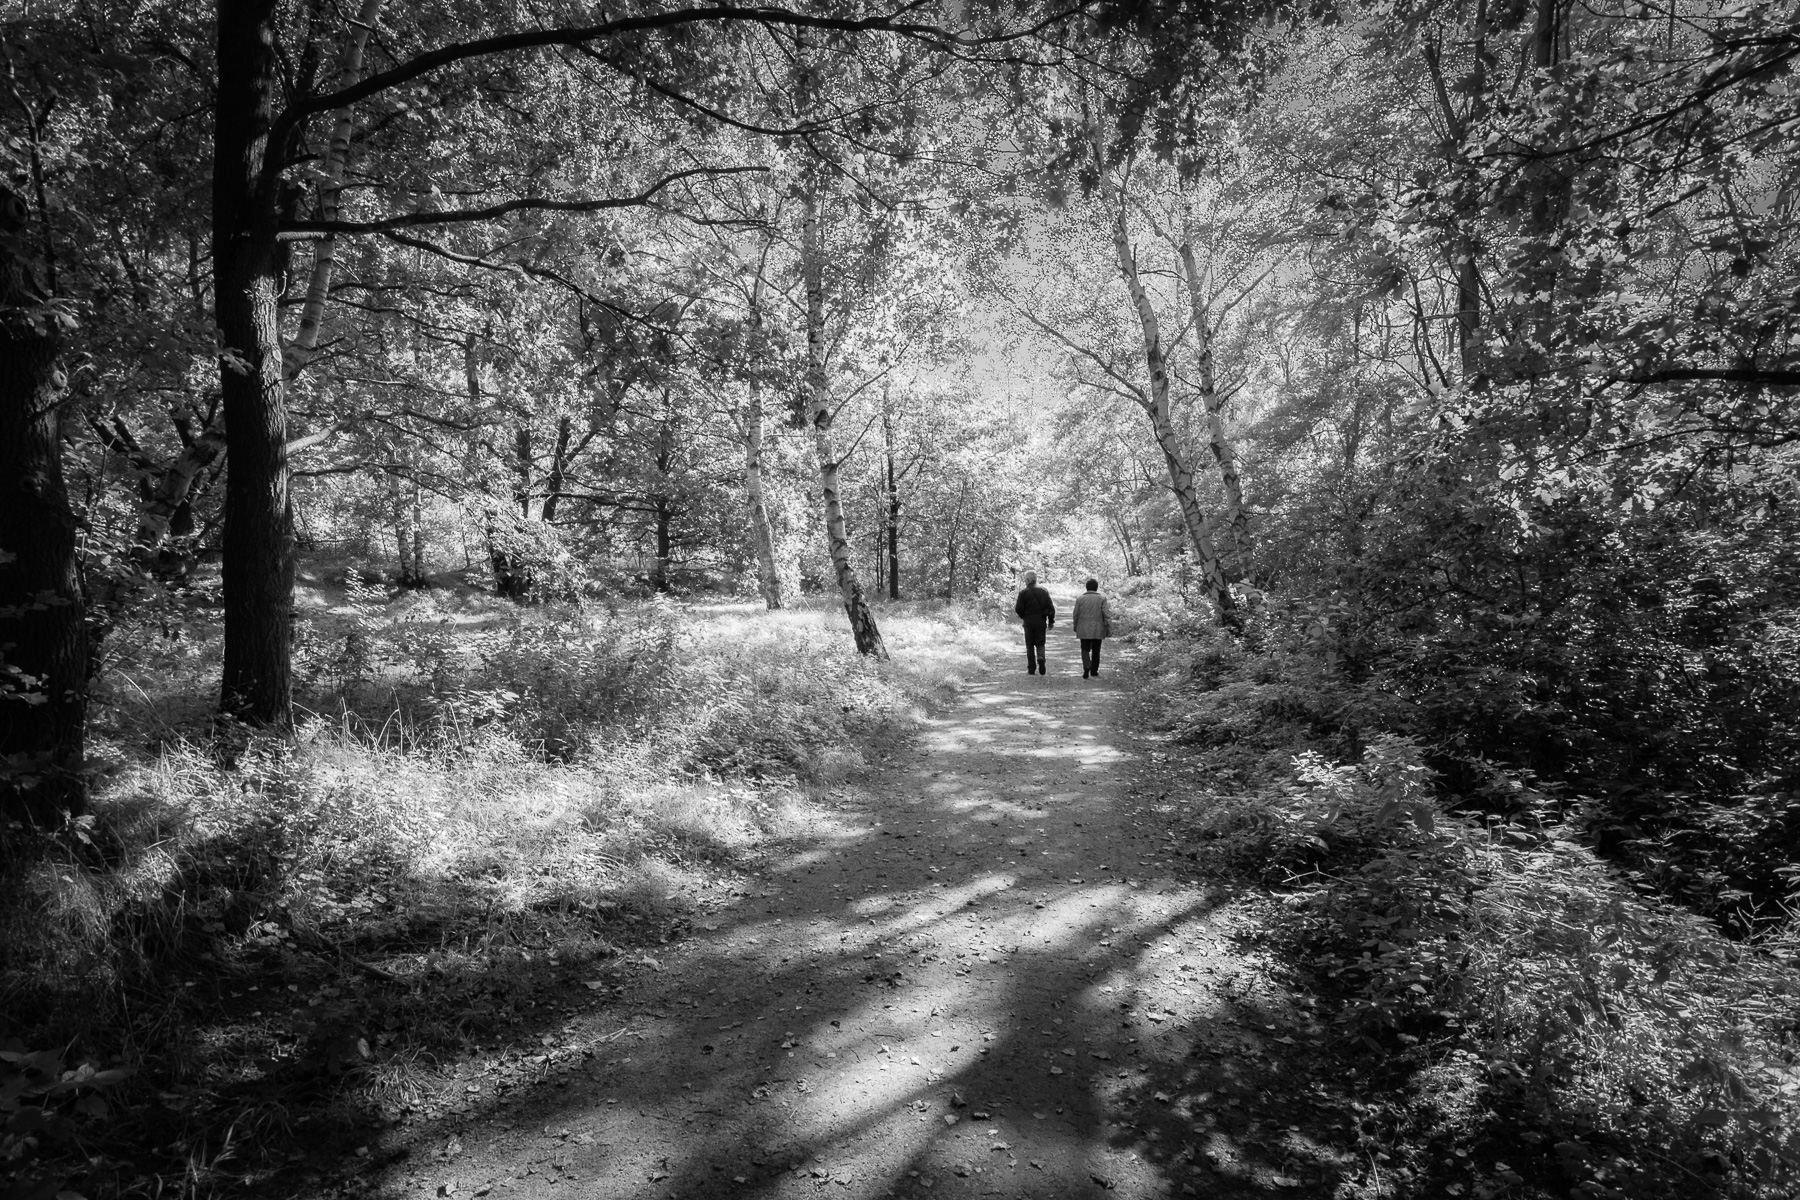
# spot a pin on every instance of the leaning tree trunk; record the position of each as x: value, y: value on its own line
x: 173, y: 490
x: 768, y: 578
x: 1156, y: 406
x: 43, y: 628
x: 1237, y: 520
x: 819, y: 416
x: 258, y: 576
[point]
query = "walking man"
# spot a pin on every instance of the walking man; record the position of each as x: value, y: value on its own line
x: 1093, y: 623
x: 1038, y: 611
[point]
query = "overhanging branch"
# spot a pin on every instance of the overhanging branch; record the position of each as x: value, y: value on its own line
x: 463, y: 216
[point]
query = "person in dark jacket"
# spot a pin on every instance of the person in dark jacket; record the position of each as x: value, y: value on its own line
x: 1038, y: 611
x: 1093, y: 624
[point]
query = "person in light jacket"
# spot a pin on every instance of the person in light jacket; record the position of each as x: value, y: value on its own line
x: 1093, y: 623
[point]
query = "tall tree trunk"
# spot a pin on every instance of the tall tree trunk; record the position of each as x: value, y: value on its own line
x: 305, y: 344
x: 768, y: 579
x: 418, y: 532
x: 512, y: 578
x: 1237, y: 520
x: 522, y: 465
x: 819, y: 415
x: 258, y: 577
x: 1156, y: 407
x: 893, y: 500
x: 559, y: 469
x: 43, y: 628
x: 762, y: 532
x: 1122, y: 533
x: 951, y: 545
x: 406, y: 533
x: 1549, y: 200
x: 1467, y: 327
x: 665, y: 548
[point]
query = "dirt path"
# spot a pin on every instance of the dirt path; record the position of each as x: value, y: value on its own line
x: 989, y: 978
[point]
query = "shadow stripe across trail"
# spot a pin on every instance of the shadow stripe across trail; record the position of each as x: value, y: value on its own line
x: 976, y: 980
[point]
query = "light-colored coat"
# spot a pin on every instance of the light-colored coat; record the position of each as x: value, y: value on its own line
x: 1093, y: 619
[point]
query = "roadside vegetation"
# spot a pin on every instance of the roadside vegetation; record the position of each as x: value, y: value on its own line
x: 1428, y: 370
x: 1523, y: 1004
x: 487, y: 811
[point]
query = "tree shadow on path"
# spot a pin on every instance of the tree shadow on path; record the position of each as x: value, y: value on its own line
x: 983, y: 977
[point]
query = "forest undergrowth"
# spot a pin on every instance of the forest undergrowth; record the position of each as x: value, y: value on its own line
x: 255, y: 948
x: 1500, y: 993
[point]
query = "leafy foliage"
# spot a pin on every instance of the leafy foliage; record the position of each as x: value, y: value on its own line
x: 1597, y: 1038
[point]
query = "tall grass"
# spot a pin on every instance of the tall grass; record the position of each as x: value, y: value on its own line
x: 477, y: 793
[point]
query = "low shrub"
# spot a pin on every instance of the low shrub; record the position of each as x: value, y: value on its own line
x: 1601, y: 1041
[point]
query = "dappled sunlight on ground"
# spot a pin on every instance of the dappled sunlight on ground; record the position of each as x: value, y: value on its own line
x: 979, y: 979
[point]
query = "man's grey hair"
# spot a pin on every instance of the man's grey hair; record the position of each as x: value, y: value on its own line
x: 1030, y: 578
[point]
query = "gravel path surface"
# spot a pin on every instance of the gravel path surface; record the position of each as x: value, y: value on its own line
x: 988, y: 977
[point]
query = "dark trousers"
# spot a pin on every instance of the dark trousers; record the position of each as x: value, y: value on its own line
x: 1090, y: 656
x: 1034, y: 649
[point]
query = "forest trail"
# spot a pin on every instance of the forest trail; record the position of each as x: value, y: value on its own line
x: 988, y: 978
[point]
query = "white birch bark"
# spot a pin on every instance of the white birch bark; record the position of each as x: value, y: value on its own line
x: 1156, y: 406
x: 768, y: 578
x: 1237, y: 521
x: 305, y: 342
x: 819, y: 416
x: 762, y: 533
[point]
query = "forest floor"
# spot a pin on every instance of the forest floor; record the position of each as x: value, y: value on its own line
x: 989, y: 971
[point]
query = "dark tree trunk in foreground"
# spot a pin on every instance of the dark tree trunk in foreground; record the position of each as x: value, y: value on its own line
x: 43, y: 633
x: 259, y: 537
